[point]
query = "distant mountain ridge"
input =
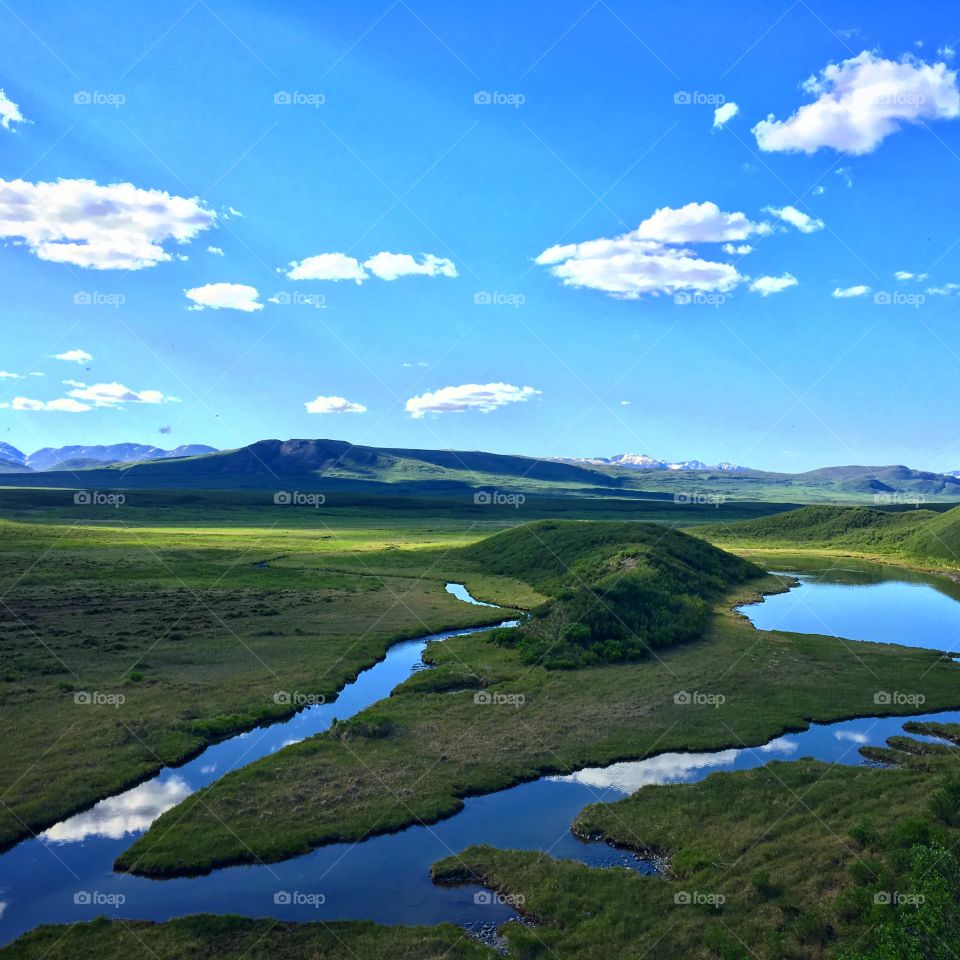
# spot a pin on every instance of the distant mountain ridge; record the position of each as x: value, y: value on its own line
x: 82, y: 457
x: 642, y: 461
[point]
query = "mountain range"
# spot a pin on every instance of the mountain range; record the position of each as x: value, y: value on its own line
x: 333, y: 465
x: 81, y: 457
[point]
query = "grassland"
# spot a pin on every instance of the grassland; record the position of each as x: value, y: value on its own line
x: 483, y: 720
x: 237, y: 938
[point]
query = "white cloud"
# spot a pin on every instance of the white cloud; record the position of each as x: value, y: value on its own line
x: 943, y: 291
x: 844, y: 293
x: 73, y: 356
x: 796, y: 218
x: 6, y: 375
x: 334, y: 405
x: 73, y: 383
x: 947, y: 52
x: 723, y: 113
x: 389, y: 266
x: 61, y: 405
x: 225, y: 296
x: 767, y: 285
x: 819, y: 190
x: 327, y: 266
x: 115, y: 227
x: 738, y: 250
x: 625, y: 403
x: 860, y: 102
x: 113, y: 394
x: 216, y: 251
x: 9, y: 113
x: 697, y: 223
x: 907, y: 275
x: 468, y: 396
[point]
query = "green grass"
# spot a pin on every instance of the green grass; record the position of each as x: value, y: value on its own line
x: 237, y: 938
x: 415, y: 756
x: 785, y: 861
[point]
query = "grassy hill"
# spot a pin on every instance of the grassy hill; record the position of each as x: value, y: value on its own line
x: 619, y: 590
x: 923, y: 536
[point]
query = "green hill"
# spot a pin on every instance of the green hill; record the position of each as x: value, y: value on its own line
x: 619, y: 590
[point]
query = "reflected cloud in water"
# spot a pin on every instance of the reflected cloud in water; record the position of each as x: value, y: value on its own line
x: 116, y: 817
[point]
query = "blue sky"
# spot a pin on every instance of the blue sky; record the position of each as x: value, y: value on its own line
x: 276, y: 133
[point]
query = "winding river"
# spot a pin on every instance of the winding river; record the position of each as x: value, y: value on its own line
x: 66, y: 874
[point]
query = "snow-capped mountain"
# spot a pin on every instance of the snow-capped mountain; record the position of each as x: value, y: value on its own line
x: 11, y: 454
x: 642, y: 461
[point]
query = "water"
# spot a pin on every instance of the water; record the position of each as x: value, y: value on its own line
x: 386, y: 878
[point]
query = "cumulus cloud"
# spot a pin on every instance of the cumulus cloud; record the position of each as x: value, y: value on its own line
x: 60, y: 405
x: 73, y: 356
x: 9, y: 113
x: 767, y: 285
x: 327, y: 266
x: 907, y: 275
x: 216, y: 251
x: 115, y: 394
x: 6, y: 375
x: 114, y: 227
x: 738, y: 250
x: 945, y: 290
x: 860, y: 102
x: 796, y: 218
x: 468, y: 396
x: 225, y: 296
x: 697, y: 223
x: 723, y: 113
x: 334, y: 405
x: 844, y: 293
x: 389, y: 266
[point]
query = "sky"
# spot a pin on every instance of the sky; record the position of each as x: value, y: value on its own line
x: 723, y: 232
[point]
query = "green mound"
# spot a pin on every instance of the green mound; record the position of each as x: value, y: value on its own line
x: 938, y: 538
x: 619, y: 590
